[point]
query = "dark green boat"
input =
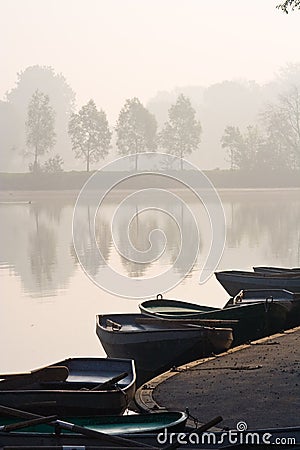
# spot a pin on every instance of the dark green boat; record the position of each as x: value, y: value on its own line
x: 290, y: 301
x: 249, y: 321
x: 118, y: 425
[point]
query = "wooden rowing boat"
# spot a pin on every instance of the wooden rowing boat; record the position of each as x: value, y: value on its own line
x: 157, y: 345
x: 289, y: 302
x: 89, y: 389
x: 270, y: 269
x: 234, y: 281
x: 193, y: 440
x: 126, y: 424
x: 249, y: 320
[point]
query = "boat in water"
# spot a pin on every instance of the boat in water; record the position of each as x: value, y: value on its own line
x: 193, y: 439
x: 250, y: 320
x: 288, y: 301
x: 271, y: 269
x: 90, y: 388
x: 157, y: 345
x: 155, y: 422
x: 233, y: 281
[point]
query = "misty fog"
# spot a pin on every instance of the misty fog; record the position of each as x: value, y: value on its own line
x: 233, y: 63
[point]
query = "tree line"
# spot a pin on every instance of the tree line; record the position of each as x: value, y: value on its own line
x: 253, y: 126
x: 273, y: 143
x: 136, y: 131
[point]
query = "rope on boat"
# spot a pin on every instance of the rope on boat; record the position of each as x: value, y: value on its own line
x: 194, y: 419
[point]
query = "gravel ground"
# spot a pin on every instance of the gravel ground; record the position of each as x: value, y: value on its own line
x: 258, y: 384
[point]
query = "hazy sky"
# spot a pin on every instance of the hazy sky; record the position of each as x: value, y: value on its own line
x: 111, y: 50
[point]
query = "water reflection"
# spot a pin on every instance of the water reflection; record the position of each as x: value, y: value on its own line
x: 139, y: 233
x: 34, y: 243
x: 36, y: 239
x: 42, y: 253
x: 270, y: 223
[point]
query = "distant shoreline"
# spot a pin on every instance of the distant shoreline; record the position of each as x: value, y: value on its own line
x: 70, y: 183
x: 30, y: 196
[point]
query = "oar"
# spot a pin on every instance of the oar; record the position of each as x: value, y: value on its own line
x: 52, y: 373
x: 107, y: 384
x: 175, y: 322
x: 27, y: 423
x: 208, y: 425
x: 48, y: 369
x: 76, y: 428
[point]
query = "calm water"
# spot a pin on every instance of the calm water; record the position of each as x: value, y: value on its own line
x: 49, y: 305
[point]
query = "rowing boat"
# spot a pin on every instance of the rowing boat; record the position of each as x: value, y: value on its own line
x: 270, y: 269
x: 249, y: 320
x: 156, y: 345
x: 234, y: 281
x: 89, y: 389
x: 126, y: 424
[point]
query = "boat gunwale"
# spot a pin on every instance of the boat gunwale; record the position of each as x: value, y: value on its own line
x: 258, y: 275
x: 127, y: 387
x: 162, y: 330
x: 174, y: 418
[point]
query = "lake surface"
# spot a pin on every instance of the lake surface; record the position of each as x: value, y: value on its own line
x: 49, y: 305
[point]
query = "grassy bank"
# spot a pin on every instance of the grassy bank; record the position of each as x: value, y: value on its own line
x: 225, y: 179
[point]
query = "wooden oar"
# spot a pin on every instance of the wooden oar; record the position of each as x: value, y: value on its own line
x: 208, y: 425
x: 107, y: 384
x: 195, y: 320
x: 16, y: 381
x: 122, y: 442
x: 182, y: 322
x: 46, y: 369
x: 27, y: 423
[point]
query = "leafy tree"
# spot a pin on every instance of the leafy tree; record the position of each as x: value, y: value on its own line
x: 181, y: 135
x: 40, y: 135
x: 246, y: 151
x: 233, y: 142
x: 136, y: 129
x: 53, y: 165
x: 62, y: 98
x: 90, y: 134
x: 289, y: 5
x: 282, y: 122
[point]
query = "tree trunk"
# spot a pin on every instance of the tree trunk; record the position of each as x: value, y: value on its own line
x: 136, y: 162
x: 181, y: 162
x: 88, y: 159
x: 35, y: 164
